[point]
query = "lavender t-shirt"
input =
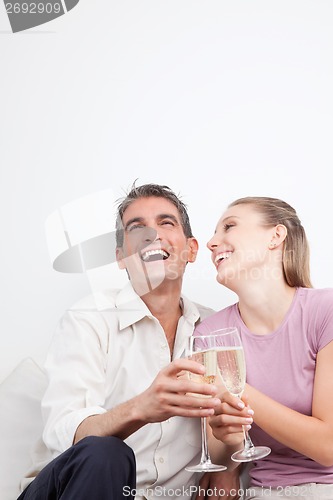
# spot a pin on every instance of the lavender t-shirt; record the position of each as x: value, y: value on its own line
x: 282, y: 365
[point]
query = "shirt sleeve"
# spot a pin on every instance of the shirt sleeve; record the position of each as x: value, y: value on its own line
x: 325, y: 311
x: 75, y: 366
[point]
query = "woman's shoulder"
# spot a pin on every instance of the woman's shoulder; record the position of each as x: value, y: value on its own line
x: 316, y: 295
x: 317, y: 311
x: 220, y: 319
x: 316, y: 303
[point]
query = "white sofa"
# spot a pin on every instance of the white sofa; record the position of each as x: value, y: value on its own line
x: 21, y: 425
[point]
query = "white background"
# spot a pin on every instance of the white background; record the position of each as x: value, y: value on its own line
x: 217, y: 99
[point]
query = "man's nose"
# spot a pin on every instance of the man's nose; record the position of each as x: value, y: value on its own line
x: 150, y: 234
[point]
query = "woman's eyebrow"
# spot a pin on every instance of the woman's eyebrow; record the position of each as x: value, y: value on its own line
x: 230, y: 217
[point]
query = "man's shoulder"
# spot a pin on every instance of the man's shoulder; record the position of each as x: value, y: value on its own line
x: 204, y: 311
x: 99, y: 301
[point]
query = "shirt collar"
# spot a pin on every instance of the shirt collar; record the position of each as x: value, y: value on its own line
x: 190, y: 310
x: 132, y: 309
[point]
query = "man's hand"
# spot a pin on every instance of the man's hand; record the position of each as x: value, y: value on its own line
x: 173, y: 393
x: 219, y: 486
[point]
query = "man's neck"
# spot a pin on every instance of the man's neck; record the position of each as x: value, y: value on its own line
x: 165, y: 306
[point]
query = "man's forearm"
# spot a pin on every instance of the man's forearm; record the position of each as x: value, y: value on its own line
x: 166, y: 397
x: 120, y: 421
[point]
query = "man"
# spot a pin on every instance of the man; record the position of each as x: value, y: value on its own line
x: 114, y: 374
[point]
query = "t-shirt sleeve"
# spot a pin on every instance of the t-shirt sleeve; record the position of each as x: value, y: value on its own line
x: 325, y: 312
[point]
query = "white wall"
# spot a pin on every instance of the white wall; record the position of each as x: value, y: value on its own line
x: 217, y: 99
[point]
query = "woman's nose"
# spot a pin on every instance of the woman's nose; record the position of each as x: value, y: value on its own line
x: 212, y: 243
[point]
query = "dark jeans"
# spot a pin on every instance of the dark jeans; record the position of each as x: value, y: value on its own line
x: 95, y: 468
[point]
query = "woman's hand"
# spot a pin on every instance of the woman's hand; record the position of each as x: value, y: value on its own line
x: 230, y: 415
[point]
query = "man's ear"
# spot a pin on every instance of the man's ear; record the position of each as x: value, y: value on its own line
x: 193, y: 247
x: 120, y: 257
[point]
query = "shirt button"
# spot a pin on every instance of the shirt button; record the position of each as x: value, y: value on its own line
x: 164, y: 346
x: 161, y: 459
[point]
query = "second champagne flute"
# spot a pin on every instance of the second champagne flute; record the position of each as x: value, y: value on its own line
x: 232, y: 367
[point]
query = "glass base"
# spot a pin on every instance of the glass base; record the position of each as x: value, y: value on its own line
x: 254, y: 453
x: 206, y: 467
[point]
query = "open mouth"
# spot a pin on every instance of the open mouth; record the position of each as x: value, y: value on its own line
x: 221, y: 257
x: 154, y: 255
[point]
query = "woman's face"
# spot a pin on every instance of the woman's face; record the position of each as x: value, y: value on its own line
x: 241, y: 246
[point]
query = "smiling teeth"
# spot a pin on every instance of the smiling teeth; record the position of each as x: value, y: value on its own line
x: 222, y: 256
x: 150, y: 253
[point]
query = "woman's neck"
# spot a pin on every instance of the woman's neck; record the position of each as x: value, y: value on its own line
x: 264, y: 308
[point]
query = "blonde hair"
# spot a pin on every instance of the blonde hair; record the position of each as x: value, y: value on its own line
x: 296, y: 252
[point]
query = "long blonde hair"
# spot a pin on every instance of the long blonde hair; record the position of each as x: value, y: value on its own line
x: 296, y: 253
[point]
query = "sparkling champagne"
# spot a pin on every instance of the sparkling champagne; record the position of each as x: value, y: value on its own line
x: 209, y: 360
x: 231, y: 364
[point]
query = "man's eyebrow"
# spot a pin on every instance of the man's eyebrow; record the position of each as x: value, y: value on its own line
x: 168, y: 216
x: 159, y: 217
x: 131, y: 221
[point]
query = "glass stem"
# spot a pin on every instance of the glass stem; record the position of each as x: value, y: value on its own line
x: 205, y: 458
x: 248, y: 445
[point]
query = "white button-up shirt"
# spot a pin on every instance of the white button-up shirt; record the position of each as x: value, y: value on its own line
x: 99, y: 359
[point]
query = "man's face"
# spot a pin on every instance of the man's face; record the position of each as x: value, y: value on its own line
x: 155, y: 249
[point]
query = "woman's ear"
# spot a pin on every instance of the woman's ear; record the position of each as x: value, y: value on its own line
x: 279, y: 235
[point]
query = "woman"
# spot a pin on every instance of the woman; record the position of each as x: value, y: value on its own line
x: 260, y: 252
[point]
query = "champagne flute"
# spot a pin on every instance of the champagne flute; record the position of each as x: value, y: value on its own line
x: 202, y: 349
x: 232, y: 368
